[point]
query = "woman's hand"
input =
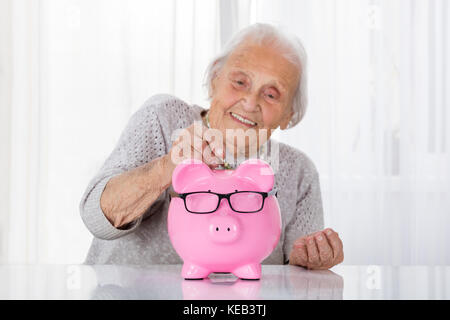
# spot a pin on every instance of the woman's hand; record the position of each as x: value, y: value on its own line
x: 320, y: 250
x: 194, y: 143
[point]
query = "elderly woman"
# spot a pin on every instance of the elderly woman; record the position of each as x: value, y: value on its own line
x: 257, y: 83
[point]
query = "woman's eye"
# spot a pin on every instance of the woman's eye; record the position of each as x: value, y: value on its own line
x: 271, y: 95
x: 240, y: 82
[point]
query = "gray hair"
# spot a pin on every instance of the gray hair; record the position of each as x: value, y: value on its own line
x: 292, y: 49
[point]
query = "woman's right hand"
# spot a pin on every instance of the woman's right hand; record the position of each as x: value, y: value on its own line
x: 194, y: 143
x: 127, y: 196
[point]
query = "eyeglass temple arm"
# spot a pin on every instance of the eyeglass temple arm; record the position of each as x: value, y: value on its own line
x: 272, y: 192
x: 173, y: 194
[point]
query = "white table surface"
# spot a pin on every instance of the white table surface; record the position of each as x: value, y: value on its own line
x: 277, y: 282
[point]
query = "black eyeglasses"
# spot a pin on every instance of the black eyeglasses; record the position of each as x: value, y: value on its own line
x: 202, y: 202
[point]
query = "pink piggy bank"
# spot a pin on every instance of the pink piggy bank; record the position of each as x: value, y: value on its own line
x: 223, y: 220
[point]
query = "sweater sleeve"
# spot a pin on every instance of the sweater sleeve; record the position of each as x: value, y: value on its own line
x: 140, y: 142
x: 308, y: 215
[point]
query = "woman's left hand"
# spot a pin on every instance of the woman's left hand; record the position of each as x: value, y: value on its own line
x: 320, y: 250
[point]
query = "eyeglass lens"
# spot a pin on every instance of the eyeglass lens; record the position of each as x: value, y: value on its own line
x: 246, y: 201
x: 202, y: 202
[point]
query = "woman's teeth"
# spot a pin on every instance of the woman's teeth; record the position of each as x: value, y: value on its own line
x: 238, y: 117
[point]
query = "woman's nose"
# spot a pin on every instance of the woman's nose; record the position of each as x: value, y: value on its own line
x: 250, y: 103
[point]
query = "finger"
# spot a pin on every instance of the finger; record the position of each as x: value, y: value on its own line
x: 313, y: 253
x: 299, y: 252
x: 334, y: 241
x: 202, y: 143
x: 217, y: 152
x: 190, y: 151
x: 209, y: 156
x: 215, y: 141
x: 299, y: 256
x: 300, y: 242
x: 199, y: 144
x: 325, y: 250
x: 202, y: 149
x: 195, y: 154
x: 199, y: 132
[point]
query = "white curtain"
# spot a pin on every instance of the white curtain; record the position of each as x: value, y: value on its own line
x: 72, y: 72
x: 76, y: 71
x: 377, y: 120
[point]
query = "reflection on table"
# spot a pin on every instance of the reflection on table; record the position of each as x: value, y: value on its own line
x: 277, y: 282
x: 165, y: 282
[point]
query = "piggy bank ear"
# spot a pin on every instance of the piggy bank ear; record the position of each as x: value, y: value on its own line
x: 188, y: 171
x: 258, y: 171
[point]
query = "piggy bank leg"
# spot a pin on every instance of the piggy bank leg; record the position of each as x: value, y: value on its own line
x: 249, y: 271
x: 191, y: 271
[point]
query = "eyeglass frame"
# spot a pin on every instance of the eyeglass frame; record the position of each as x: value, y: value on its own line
x: 227, y: 196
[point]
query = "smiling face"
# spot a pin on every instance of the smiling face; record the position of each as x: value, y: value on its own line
x: 253, y: 90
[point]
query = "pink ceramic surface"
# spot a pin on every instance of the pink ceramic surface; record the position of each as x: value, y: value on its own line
x: 225, y: 240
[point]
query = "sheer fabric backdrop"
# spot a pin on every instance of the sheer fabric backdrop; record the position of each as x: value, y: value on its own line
x: 376, y: 127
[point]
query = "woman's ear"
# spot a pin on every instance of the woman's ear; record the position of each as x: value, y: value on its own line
x: 213, y: 85
x: 214, y: 78
x: 286, y: 119
x: 214, y: 82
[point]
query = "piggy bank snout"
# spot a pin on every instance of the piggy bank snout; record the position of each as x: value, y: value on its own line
x: 223, y: 229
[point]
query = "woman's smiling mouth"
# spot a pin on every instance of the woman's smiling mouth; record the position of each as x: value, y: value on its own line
x: 238, y: 118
